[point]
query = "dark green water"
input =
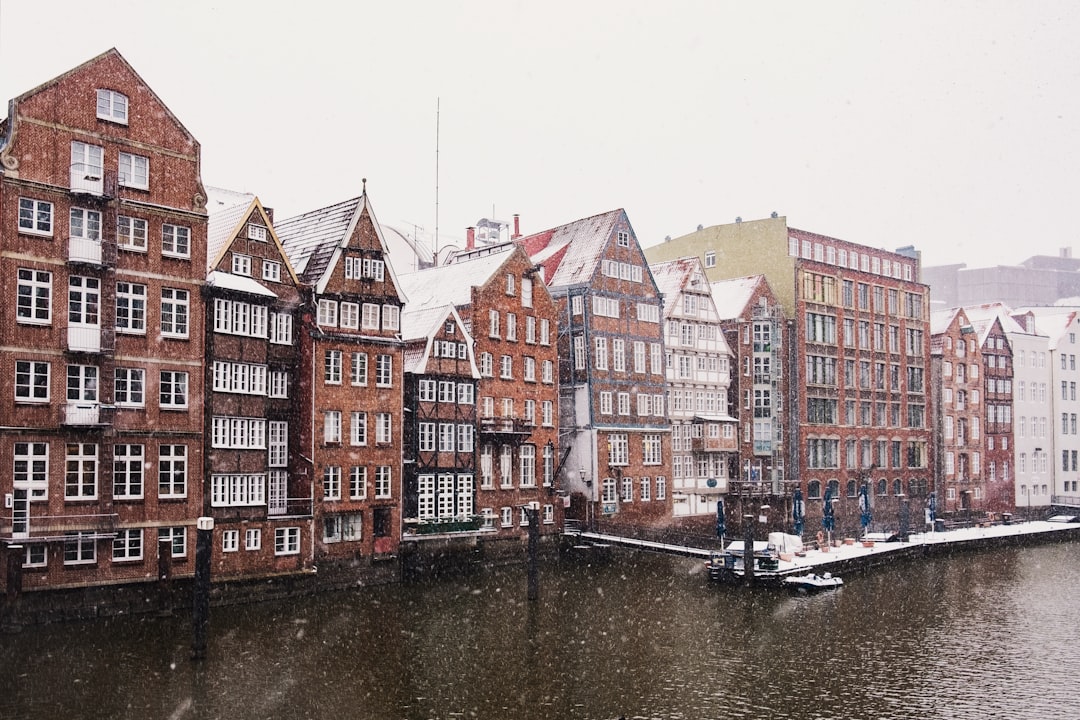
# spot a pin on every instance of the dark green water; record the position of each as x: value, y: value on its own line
x: 980, y: 635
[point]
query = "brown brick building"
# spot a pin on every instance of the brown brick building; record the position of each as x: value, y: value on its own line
x: 102, y: 244
x: 257, y: 484
x: 611, y: 370
x: 351, y: 349
x: 512, y: 321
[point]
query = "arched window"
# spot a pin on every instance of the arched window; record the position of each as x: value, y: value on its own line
x: 882, y: 488
x: 834, y: 486
x: 852, y: 488
x: 897, y: 487
x: 813, y: 489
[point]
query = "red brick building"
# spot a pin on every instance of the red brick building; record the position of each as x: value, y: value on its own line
x: 974, y: 367
x: 611, y: 370
x: 103, y: 245
x: 512, y: 321
x: 257, y: 483
x: 351, y: 348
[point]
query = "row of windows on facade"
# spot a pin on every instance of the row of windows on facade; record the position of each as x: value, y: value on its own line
x: 864, y: 374
x: 622, y: 489
x: 824, y: 411
x: 886, y: 301
x: 611, y: 307
x: 619, y: 355
x: 821, y: 330
x: 358, y: 368
x: 701, y: 402
x: 705, y: 465
x: 80, y: 548
x: 354, y: 316
x: 496, y: 326
x: 36, y: 217
x: 824, y: 453
x: 968, y: 466
x: 971, y: 346
x: 506, y: 368
x: 848, y: 258
x: 916, y: 487
x: 33, y: 385
x: 619, y: 449
x: 702, y: 368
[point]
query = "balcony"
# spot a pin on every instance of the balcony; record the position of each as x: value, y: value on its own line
x: 87, y: 179
x: 82, y: 413
x: 505, y: 426
x: 715, y: 444
x: 84, y: 338
x: 85, y: 251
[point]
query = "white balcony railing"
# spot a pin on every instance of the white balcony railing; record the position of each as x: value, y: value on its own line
x: 86, y: 179
x: 84, y: 338
x: 82, y: 413
x: 84, y: 250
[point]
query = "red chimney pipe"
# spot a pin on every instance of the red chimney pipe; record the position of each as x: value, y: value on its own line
x: 517, y: 227
x: 470, y: 238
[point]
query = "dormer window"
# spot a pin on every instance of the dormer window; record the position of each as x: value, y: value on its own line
x: 112, y: 106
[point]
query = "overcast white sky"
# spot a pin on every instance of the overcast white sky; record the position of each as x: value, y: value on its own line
x: 952, y: 126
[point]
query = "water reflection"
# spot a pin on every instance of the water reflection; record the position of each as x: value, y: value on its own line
x: 977, y: 635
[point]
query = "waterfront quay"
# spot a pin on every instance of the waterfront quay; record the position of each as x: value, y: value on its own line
x: 852, y: 555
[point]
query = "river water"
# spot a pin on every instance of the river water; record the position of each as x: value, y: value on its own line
x: 979, y: 635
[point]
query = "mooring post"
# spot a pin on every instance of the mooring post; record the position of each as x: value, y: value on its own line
x: 13, y: 562
x: 534, y: 539
x: 748, y: 549
x: 204, y: 538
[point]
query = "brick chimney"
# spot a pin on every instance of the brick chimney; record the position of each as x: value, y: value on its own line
x: 517, y: 227
x: 470, y: 238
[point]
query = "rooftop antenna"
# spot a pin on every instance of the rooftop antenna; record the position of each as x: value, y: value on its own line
x: 435, y: 253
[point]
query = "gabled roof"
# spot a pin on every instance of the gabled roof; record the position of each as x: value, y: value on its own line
x: 314, y: 241
x: 419, y: 326
x: 570, y: 253
x: 732, y: 296
x: 1053, y: 321
x: 229, y: 212
x: 110, y: 53
x: 452, y: 284
x: 985, y: 314
x: 941, y: 320
x: 672, y: 276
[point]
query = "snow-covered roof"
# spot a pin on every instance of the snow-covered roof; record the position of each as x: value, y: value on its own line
x: 571, y: 253
x: 731, y: 296
x: 940, y: 320
x: 239, y: 283
x: 419, y: 327
x: 451, y: 284
x: 226, y: 209
x: 1001, y: 311
x: 672, y: 276
x: 311, y: 239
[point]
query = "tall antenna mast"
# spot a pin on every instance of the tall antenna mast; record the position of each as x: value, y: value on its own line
x: 435, y: 258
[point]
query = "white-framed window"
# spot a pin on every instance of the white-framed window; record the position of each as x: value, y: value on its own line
x: 357, y: 482
x: 84, y: 301
x: 624, y: 403
x: 112, y: 106
x: 332, y: 426
x: 383, y: 483
x: 391, y: 317
x: 374, y: 269
x: 177, y: 537
x: 31, y: 381
x: 86, y: 167
x: 661, y: 487
x: 384, y: 371
x: 279, y: 384
x: 545, y: 331
x: 506, y: 367
x: 35, y: 217
x: 230, y: 541
x: 173, y: 390
x: 238, y: 432
x: 511, y: 327
x: 271, y: 271
x: 172, y: 471
x: 466, y: 393
x: 506, y: 516
x: 627, y: 489
x: 328, y: 310
x: 241, y: 264
x: 332, y: 482
x: 278, y: 443
x: 174, y: 312
x: 80, y: 472
x: 80, y: 548
x: 493, y: 323
x: 128, y: 545
x: 127, y: 474
x: 527, y: 460
x: 332, y: 367
x: 548, y: 372
x: 646, y: 489
x: 652, y: 450
x: 175, y: 240
x: 547, y: 412
x: 134, y: 171
x: 31, y: 469
x: 358, y: 428
x: 281, y: 325
x: 253, y: 539
x: 238, y: 490
x: 623, y: 238
x: 600, y: 353
x: 618, y: 449
x: 506, y: 466
x: 358, y: 369
x: 287, y: 541
x: 369, y: 316
x: 131, y: 233
x: 34, y: 297
x: 85, y: 224
x: 487, y: 363
x: 383, y: 428
x: 131, y: 308
x: 256, y: 232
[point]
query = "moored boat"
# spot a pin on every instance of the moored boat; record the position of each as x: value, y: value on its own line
x: 812, y: 582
